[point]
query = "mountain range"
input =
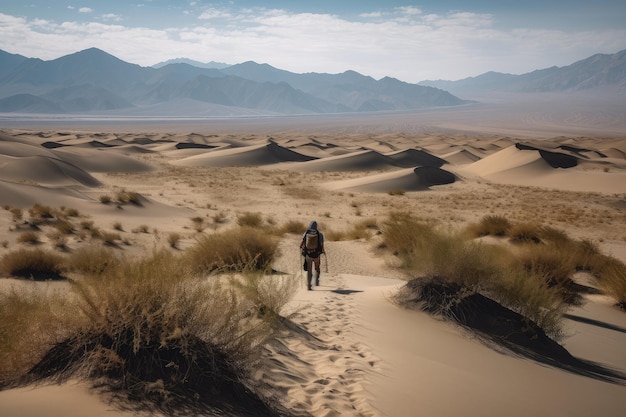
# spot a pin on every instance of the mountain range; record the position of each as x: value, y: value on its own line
x: 598, y: 72
x: 94, y: 82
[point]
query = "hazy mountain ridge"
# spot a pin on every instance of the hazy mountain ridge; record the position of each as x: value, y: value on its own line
x: 211, y: 64
x: 600, y: 71
x: 95, y: 81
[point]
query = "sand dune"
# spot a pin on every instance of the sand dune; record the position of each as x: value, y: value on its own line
x: 460, y: 157
x: 25, y: 195
x: 48, y: 171
x: 93, y: 160
x: 270, y: 153
x: 527, y: 165
x: 412, y: 179
x: 366, y: 160
x: 414, y: 157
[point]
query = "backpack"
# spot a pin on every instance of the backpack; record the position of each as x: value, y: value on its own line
x: 312, y: 242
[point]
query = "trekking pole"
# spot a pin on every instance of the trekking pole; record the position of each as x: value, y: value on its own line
x: 325, y: 263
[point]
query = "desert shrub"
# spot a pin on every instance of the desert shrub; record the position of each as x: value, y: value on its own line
x: 22, y: 309
x: 406, y: 237
x: 554, y: 236
x: 249, y: 219
x: 142, y: 228
x: 106, y: 199
x: 530, y: 296
x: 360, y: 230
x: 613, y: 281
x: 86, y: 224
x: 268, y: 293
x: 149, y: 328
x: 293, y: 226
x: 491, y: 225
x: 238, y: 249
x: 525, y: 233
x: 128, y: 197
x: 40, y: 213
x: 554, y: 265
x: 65, y: 227
x: 17, y: 214
x: 35, y: 263
x: 58, y: 239
x: 118, y: 226
x: 455, y: 268
x: 173, y: 239
x: 4, y: 243
x: 396, y: 192
x: 219, y: 217
x: 71, y: 212
x: 30, y: 237
x: 198, y: 223
x: 588, y: 256
x: 110, y: 238
x: 92, y: 259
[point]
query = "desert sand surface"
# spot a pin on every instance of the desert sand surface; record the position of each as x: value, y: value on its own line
x: 356, y: 353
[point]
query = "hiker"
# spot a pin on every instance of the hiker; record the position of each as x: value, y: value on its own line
x: 312, y: 246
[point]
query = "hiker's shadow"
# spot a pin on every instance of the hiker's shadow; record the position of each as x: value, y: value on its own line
x: 342, y: 291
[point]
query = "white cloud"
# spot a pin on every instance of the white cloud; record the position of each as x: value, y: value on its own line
x: 85, y: 10
x: 111, y: 17
x: 404, y: 43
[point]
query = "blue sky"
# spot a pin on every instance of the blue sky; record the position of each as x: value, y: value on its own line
x: 409, y: 40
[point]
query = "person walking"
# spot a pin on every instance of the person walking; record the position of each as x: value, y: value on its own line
x: 312, y: 246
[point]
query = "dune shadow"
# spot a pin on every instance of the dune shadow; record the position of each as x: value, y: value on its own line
x: 593, y: 322
x: 503, y: 329
x: 496, y: 324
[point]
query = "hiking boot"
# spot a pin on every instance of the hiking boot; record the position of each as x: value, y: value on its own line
x: 317, y: 282
x: 309, y: 288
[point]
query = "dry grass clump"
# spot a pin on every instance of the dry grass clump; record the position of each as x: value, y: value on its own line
x: 198, y: 224
x: 40, y: 214
x: 268, y: 293
x: 65, y: 227
x: 149, y: 327
x: 239, y: 249
x: 128, y: 197
x: 30, y: 237
x: 173, y: 239
x: 292, y: 226
x: 92, y: 259
x: 613, y: 281
x: 363, y: 229
x: 37, y: 264
x: 406, y: 236
x: 249, y: 219
x: 22, y: 309
x: 106, y: 199
x: 458, y: 268
x: 553, y: 265
x: 110, y: 238
x: 142, y: 228
x: 57, y: 239
x: 525, y: 233
x: 17, y: 214
x: 490, y: 225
